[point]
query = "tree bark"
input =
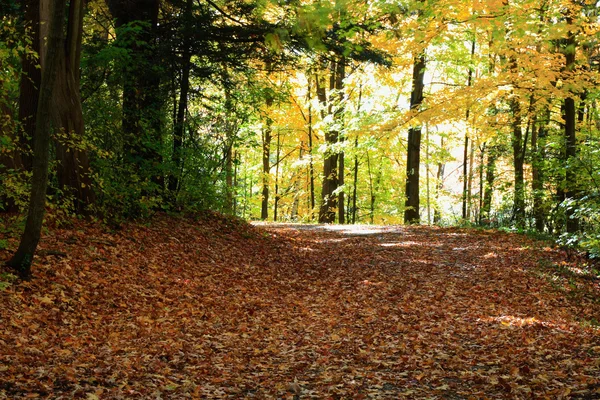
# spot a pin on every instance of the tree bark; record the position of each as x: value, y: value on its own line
x: 518, y: 162
x: 339, y: 116
x: 311, y: 168
x: 413, y: 158
x: 266, y: 155
x: 437, y: 214
x: 570, y: 118
x: 74, y: 167
x: 22, y: 259
x: 182, y: 105
x: 328, y: 207
x: 490, y: 177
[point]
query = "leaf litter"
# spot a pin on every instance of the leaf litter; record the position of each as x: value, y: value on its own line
x: 212, y: 307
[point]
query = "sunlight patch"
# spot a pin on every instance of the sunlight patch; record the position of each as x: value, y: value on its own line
x: 512, y: 321
x: 408, y: 243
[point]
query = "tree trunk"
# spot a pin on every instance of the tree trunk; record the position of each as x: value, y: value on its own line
x: 182, y: 105
x: 518, y: 162
x: 413, y: 158
x: 277, y: 155
x: 355, y: 180
x: 570, y: 115
x: 490, y: 177
x: 339, y: 116
x: 466, y: 183
x: 437, y: 214
x: 470, y: 182
x: 538, y: 136
x: 22, y: 259
x: 266, y: 155
x: 74, y: 166
x: 311, y: 169
x: 328, y: 207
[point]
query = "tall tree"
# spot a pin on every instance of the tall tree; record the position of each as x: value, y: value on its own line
x: 74, y: 166
x: 22, y: 259
x: 413, y: 158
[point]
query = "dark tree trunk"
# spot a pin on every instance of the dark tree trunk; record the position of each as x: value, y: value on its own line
x: 518, y: 162
x: 464, y: 177
x: 490, y: 177
x: 538, y: 139
x: 180, y: 117
x: 266, y: 155
x: 338, y: 115
x: 311, y: 169
x: 328, y: 207
x: 355, y: 180
x: 437, y: 214
x: 570, y: 117
x: 466, y: 195
x: 413, y: 158
x: 22, y: 259
x: 277, y: 156
x: 74, y: 166
x: 229, y: 141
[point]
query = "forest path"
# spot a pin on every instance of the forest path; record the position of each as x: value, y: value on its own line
x: 214, y: 308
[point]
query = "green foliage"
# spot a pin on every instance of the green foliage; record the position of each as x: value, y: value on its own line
x: 6, y: 280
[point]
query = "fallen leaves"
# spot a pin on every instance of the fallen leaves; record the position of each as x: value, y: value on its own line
x: 215, y: 308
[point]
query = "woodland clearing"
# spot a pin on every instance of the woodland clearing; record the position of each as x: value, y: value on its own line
x: 213, y: 307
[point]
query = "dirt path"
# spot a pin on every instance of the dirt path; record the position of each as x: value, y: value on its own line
x: 211, y: 309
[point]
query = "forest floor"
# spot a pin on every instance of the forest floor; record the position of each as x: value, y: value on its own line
x: 211, y: 307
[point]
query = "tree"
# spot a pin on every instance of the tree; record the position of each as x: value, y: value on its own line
x: 74, y: 166
x: 22, y: 259
x: 413, y: 157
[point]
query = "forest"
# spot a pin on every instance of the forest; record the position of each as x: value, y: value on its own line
x: 422, y: 179
x: 437, y: 112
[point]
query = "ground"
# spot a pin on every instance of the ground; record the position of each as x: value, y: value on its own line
x: 211, y: 307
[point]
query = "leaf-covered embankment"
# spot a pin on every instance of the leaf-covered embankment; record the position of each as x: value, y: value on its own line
x: 211, y: 307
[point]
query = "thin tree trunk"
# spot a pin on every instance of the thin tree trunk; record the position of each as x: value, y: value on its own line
x: 22, y: 259
x: 466, y: 183
x: 427, y: 173
x: 266, y: 151
x: 481, y: 159
x: 339, y: 116
x: 413, y: 157
x: 464, y: 175
x: 570, y: 115
x: 356, y: 164
x: 437, y: 214
x: 371, y: 189
x: 311, y: 168
x: 538, y: 136
x: 518, y: 162
x: 180, y: 117
x: 470, y: 182
x: 266, y: 154
x: 355, y: 181
x: 490, y: 177
x: 276, y: 203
